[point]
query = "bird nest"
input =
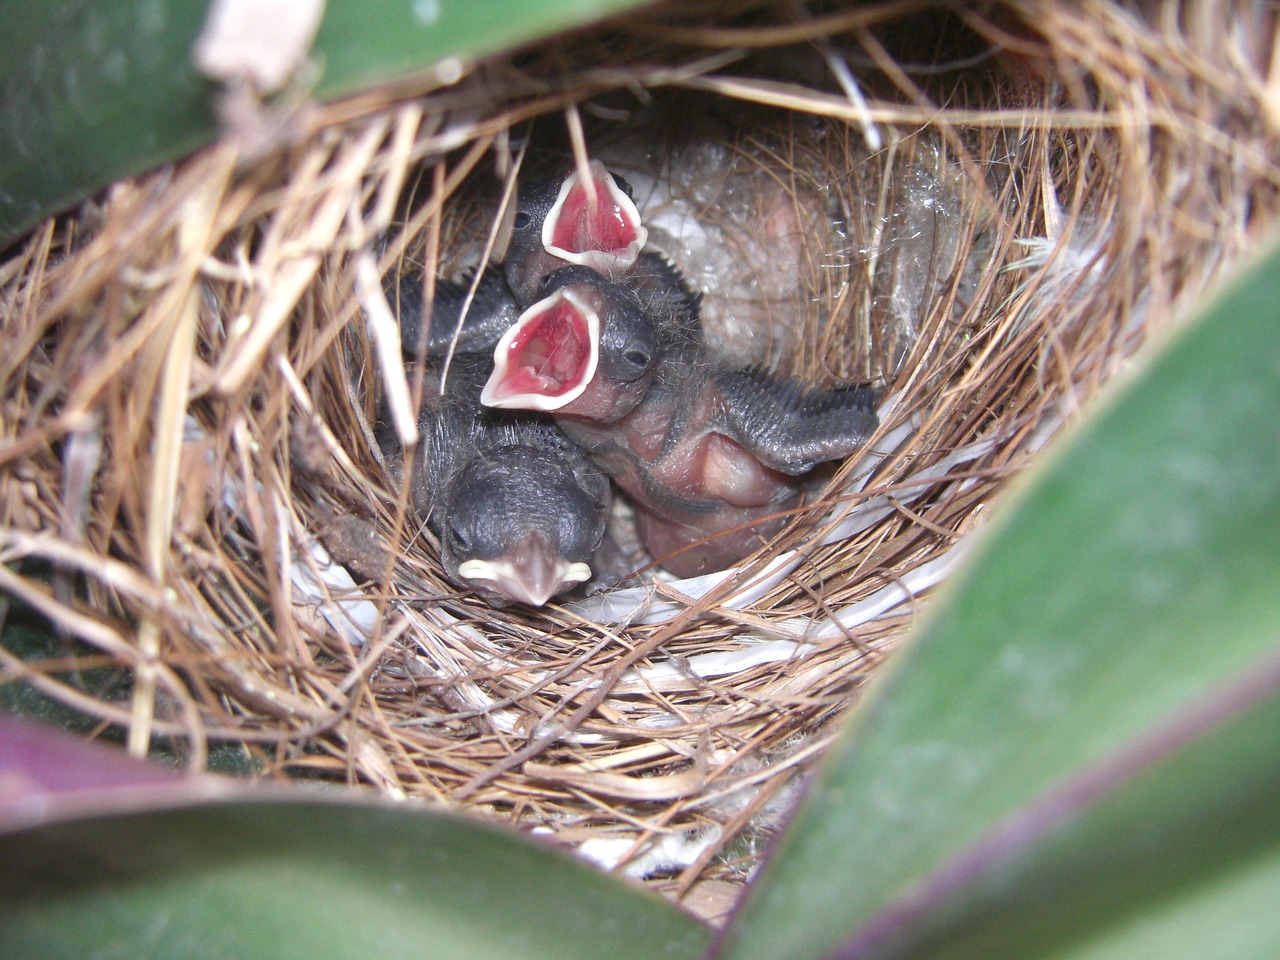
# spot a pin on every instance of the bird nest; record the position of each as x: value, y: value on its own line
x: 986, y: 210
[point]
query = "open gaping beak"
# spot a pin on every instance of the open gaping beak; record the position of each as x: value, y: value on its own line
x: 547, y: 358
x: 594, y: 223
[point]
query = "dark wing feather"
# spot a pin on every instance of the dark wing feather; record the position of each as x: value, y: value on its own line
x: 792, y: 427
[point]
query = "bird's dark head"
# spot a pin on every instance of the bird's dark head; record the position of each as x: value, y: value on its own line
x: 585, y: 349
x: 629, y: 345
x: 521, y: 524
x: 589, y: 221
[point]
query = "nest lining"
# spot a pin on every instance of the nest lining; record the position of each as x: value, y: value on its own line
x: 190, y: 392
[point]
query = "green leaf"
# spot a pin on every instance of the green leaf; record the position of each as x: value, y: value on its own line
x: 1136, y: 583
x: 92, y: 92
x: 1184, y: 862
x: 105, y: 858
x: 368, y: 43
x: 306, y: 880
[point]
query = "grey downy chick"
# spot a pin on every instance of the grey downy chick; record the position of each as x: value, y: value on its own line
x: 519, y: 510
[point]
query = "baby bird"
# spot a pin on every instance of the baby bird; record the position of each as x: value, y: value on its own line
x: 519, y: 510
x: 592, y: 223
x: 585, y: 323
x: 711, y: 457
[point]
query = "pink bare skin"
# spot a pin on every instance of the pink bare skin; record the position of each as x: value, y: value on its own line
x: 691, y: 485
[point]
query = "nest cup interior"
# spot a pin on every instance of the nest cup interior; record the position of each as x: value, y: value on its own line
x: 1021, y: 199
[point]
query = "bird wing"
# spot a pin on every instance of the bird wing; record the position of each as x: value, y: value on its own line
x: 792, y: 427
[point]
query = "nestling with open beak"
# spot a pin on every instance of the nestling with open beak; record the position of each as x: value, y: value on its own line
x: 709, y: 456
x: 590, y: 343
x: 519, y: 510
x: 589, y: 222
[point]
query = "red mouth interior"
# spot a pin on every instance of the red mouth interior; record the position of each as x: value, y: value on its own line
x: 582, y: 225
x: 549, y: 353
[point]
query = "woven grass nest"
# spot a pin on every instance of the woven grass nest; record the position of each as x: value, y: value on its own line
x: 986, y: 209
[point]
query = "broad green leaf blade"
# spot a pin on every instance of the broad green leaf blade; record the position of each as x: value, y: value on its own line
x: 1138, y: 573
x: 367, y: 43
x: 1181, y: 864
x: 91, y: 92
x: 309, y: 879
x: 106, y: 857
